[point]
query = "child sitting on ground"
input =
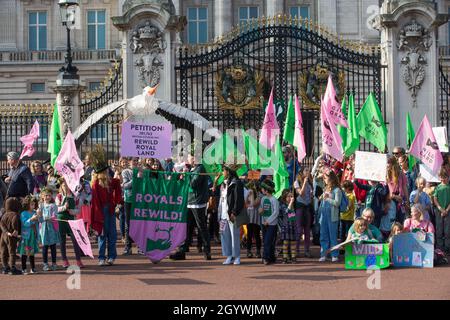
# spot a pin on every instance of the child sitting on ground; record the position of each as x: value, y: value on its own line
x: 396, y: 229
x: 360, y: 231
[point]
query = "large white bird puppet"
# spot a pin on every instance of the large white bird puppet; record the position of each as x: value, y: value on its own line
x: 143, y: 107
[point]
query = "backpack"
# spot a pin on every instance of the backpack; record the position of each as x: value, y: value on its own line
x: 343, y: 206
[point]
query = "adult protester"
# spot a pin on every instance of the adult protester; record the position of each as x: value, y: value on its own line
x: 304, y: 209
x: 398, y: 189
x: 417, y: 221
x: 231, y: 206
x: 20, y: 180
x: 88, y: 169
x: 411, y: 176
x: 397, y: 152
x: 39, y: 176
x: 127, y: 184
x: 292, y: 165
x: 197, y: 202
x: 369, y: 216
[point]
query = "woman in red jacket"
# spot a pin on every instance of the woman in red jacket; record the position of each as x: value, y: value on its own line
x: 106, y: 195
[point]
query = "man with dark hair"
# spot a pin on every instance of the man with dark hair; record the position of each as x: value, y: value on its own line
x: 20, y: 180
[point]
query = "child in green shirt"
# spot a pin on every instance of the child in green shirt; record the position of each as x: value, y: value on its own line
x: 441, y: 199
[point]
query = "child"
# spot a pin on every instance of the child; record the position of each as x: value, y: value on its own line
x: 360, y: 230
x: 10, y: 230
x: 396, y: 229
x: 289, y: 230
x: 254, y: 227
x: 28, y: 246
x: 68, y: 207
x: 269, y: 210
x: 347, y: 217
x: 421, y: 197
x: 417, y: 221
x: 48, y: 232
x: 442, y: 202
x: 388, y: 219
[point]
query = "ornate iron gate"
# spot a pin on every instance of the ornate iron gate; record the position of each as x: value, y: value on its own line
x: 444, y: 97
x: 229, y: 81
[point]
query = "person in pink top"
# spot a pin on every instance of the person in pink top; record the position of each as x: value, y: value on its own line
x: 416, y: 221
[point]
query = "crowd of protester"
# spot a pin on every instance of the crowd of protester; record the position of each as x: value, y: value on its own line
x: 324, y: 205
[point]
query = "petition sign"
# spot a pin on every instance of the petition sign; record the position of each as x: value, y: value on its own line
x: 146, y: 140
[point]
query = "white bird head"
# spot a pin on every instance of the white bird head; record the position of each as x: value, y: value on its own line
x: 150, y: 91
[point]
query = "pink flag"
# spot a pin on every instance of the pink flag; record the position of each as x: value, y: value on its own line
x: 425, y: 147
x: 332, y: 107
x: 28, y: 140
x: 270, y: 129
x: 331, y: 140
x: 299, y: 138
x: 68, y: 164
x: 79, y: 232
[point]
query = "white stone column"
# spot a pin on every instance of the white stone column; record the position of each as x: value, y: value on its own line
x: 274, y: 8
x: 409, y: 47
x: 327, y: 13
x: 223, y: 17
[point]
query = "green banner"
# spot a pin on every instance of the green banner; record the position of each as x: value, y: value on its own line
x: 364, y: 256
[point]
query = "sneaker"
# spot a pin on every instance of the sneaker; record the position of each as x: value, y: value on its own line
x: 249, y: 255
x: 54, y: 267
x: 237, y: 261
x: 334, y: 259
x: 14, y: 272
x: 178, y: 256
x: 127, y: 252
x: 66, y: 264
x: 6, y: 270
x: 24, y: 271
x: 110, y: 261
x: 46, y: 267
x: 141, y: 253
x: 33, y: 271
x: 323, y: 259
x: 80, y: 264
x: 207, y: 256
x: 228, y: 261
x: 102, y: 263
x: 266, y: 262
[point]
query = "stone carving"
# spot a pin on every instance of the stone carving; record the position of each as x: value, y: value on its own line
x: 414, y: 40
x: 66, y: 112
x: 147, y: 41
x: 165, y: 4
x: 239, y: 87
x: 313, y: 83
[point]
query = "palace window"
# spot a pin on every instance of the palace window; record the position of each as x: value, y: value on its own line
x: 197, y: 25
x: 246, y: 14
x: 96, y: 29
x: 37, y: 87
x: 37, y: 31
x: 302, y: 11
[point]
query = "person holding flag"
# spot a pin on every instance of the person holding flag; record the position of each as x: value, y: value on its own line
x: 20, y: 180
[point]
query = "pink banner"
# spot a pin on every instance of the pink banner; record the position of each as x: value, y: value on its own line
x: 270, y: 129
x: 331, y: 140
x: 79, y: 232
x: 425, y: 147
x: 68, y: 164
x: 29, y: 139
x: 146, y: 140
x: 299, y: 138
x: 332, y: 106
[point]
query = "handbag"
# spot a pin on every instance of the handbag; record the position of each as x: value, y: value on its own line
x: 242, y: 218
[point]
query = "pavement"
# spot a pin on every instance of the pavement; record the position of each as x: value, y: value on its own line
x: 136, y: 278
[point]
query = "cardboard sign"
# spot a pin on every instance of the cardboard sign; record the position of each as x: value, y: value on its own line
x: 254, y: 175
x: 412, y: 249
x: 440, y: 133
x: 364, y: 256
x: 146, y: 140
x: 370, y: 166
x: 428, y: 175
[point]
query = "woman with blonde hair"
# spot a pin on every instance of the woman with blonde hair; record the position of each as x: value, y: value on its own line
x: 106, y: 195
x: 417, y: 221
x: 398, y: 188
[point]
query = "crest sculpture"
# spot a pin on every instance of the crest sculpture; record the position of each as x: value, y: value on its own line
x: 239, y: 87
x: 313, y: 83
x: 148, y: 42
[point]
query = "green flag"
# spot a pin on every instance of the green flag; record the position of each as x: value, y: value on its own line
x: 289, y: 125
x: 280, y: 173
x: 371, y: 125
x: 410, y: 134
x: 258, y: 156
x: 352, y: 138
x: 55, y: 137
x: 343, y: 130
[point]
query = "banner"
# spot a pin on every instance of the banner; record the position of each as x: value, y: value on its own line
x: 425, y: 147
x: 364, y: 256
x: 146, y: 140
x: 370, y: 166
x: 270, y: 129
x: 332, y: 106
x: 331, y: 140
x: 79, y: 232
x: 28, y: 140
x: 440, y: 133
x: 69, y: 164
x: 299, y: 135
x: 159, y: 213
x: 428, y: 175
x: 413, y: 249
x: 371, y: 124
x: 54, y: 137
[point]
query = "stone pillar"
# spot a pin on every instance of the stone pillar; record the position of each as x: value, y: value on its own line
x: 274, y: 8
x: 327, y: 13
x: 409, y: 50
x: 223, y: 17
x: 68, y: 100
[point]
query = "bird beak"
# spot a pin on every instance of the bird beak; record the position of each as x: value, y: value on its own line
x: 152, y: 90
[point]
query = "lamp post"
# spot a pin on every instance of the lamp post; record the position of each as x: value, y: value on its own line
x: 67, y: 9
